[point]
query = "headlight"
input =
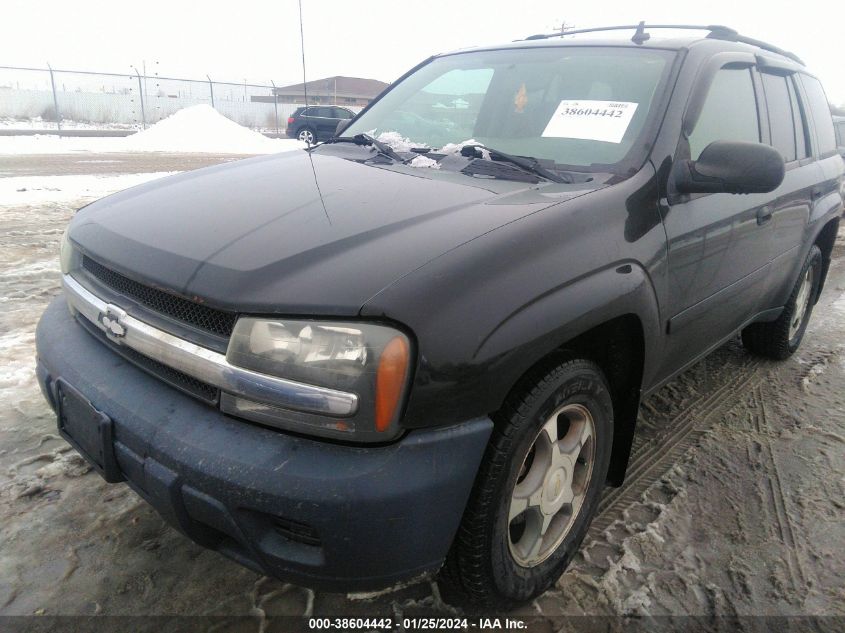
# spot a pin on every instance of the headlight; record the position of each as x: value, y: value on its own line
x: 370, y: 361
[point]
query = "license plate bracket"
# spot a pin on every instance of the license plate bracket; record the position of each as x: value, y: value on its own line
x: 88, y: 430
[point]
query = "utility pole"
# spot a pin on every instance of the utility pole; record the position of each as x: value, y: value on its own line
x: 275, y: 105
x: 141, y: 100
x: 564, y: 27
x: 55, y: 101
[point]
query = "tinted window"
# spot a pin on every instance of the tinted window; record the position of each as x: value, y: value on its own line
x: 820, y: 111
x: 800, y: 117
x: 729, y: 112
x: 340, y: 113
x: 781, y: 121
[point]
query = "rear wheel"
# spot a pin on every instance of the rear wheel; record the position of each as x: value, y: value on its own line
x: 306, y: 135
x: 779, y: 339
x: 537, y: 489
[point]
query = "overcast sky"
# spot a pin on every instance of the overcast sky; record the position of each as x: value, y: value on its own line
x: 259, y: 40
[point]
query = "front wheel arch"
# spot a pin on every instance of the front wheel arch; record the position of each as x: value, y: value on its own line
x: 617, y: 346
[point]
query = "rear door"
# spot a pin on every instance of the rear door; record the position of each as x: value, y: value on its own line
x: 788, y: 132
x: 324, y: 122
x: 719, y: 244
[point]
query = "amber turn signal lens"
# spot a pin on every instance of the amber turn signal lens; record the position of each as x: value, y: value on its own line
x: 390, y: 379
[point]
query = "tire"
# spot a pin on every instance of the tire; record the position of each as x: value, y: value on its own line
x: 490, y: 561
x: 306, y: 135
x: 779, y: 339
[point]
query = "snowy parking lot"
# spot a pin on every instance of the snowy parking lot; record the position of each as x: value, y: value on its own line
x: 733, y: 504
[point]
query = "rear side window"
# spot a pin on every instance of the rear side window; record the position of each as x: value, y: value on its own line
x: 729, y: 112
x: 820, y: 111
x: 781, y: 120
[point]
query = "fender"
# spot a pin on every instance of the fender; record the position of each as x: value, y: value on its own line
x: 546, y: 324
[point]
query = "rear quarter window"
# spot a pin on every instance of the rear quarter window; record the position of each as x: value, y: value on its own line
x: 820, y: 112
x: 840, y: 133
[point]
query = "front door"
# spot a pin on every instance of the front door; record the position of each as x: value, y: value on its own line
x: 719, y: 244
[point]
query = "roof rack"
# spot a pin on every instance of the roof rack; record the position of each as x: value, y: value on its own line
x: 715, y: 31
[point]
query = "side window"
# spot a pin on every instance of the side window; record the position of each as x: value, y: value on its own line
x: 309, y: 112
x: 729, y: 112
x: 340, y: 113
x: 800, y: 116
x: 781, y: 121
x: 820, y: 111
x: 840, y: 127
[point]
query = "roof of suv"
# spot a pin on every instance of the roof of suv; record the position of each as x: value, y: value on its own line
x: 717, y: 37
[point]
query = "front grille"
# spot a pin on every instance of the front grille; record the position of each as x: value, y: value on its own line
x: 174, y: 377
x: 215, y: 321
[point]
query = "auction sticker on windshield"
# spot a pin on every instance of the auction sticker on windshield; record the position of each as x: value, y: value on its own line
x: 591, y: 120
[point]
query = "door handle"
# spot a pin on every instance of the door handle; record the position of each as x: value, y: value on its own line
x: 764, y: 214
x: 816, y: 193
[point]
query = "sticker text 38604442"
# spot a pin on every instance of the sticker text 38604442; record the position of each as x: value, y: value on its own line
x: 591, y: 120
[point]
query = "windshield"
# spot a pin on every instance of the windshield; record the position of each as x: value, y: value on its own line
x: 572, y: 105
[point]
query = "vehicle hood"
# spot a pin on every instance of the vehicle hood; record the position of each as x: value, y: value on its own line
x: 297, y: 232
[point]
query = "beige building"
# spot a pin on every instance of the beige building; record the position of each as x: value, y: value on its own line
x: 348, y: 91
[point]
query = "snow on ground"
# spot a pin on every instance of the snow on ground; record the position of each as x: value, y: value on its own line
x: 199, y: 128
x: 25, y: 190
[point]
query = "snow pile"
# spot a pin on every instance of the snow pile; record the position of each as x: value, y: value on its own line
x: 201, y: 128
x: 455, y: 148
x: 425, y: 161
x: 397, y: 142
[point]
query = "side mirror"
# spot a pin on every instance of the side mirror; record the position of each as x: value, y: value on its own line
x: 731, y: 167
x: 341, y: 125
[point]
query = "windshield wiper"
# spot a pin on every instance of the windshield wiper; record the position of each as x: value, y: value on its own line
x: 366, y: 140
x: 528, y: 163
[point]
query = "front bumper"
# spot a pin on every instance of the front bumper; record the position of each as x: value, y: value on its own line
x: 322, y: 515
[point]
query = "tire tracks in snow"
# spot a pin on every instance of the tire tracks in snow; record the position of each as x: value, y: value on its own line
x: 776, y: 496
x: 654, y: 459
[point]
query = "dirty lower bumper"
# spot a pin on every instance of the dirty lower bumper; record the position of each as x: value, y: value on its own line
x: 323, y: 515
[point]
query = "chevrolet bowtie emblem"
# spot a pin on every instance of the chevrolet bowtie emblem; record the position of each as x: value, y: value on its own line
x: 112, y: 320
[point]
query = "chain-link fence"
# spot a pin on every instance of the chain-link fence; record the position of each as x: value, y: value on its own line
x: 69, y: 98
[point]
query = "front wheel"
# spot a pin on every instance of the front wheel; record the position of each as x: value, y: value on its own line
x: 779, y: 339
x: 537, y: 489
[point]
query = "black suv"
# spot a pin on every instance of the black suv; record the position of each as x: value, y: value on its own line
x: 427, y: 340
x: 316, y: 123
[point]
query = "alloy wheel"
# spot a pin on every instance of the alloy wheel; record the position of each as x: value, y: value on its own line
x: 802, y: 302
x: 551, y: 485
